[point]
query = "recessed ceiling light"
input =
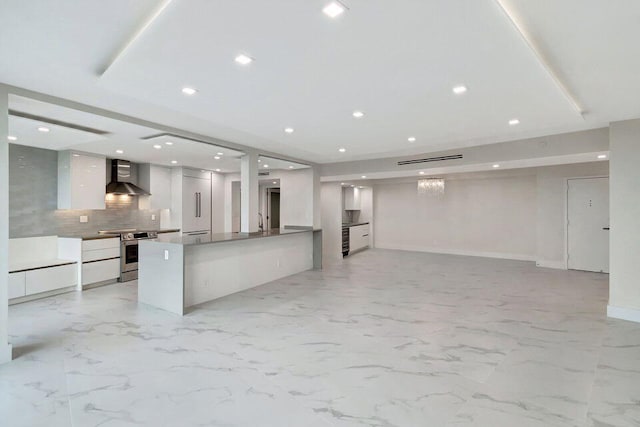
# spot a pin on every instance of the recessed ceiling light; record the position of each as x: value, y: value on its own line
x: 290, y: 166
x: 361, y: 187
x: 288, y: 130
x: 157, y: 146
x: 119, y: 151
x: 342, y: 183
x: 358, y: 114
x: 411, y: 139
x: 189, y: 91
x: 217, y: 170
x: 495, y: 166
x: 169, y: 143
x: 12, y: 138
x: 352, y: 186
x: 244, y: 59
x: 514, y: 122
x: 265, y: 166
x: 76, y: 155
x: 275, y: 182
x: 259, y: 160
x: 174, y: 162
x: 43, y: 129
x: 342, y: 150
x: 363, y: 176
x: 216, y: 157
x: 334, y: 9
x: 220, y: 154
x: 459, y: 90
x: 602, y: 156
x: 421, y: 172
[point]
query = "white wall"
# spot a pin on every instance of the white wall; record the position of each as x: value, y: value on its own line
x: 297, y: 197
x: 218, y: 201
x: 624, y: 283
x: 481, y: 216
x: 331, y: 201
x: 5, y: 347
x: 552, y: 209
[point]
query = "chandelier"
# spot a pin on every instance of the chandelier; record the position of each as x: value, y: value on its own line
x: 431, y: 186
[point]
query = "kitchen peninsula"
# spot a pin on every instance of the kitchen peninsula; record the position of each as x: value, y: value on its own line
x: 178, y: 272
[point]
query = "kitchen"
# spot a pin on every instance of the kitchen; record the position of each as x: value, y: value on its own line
x: 86, y: 189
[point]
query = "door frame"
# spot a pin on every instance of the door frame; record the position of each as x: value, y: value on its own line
x: 268, y: 205
x: 566, y: 213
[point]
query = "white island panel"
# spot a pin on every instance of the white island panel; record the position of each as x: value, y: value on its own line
x: 213, y: 271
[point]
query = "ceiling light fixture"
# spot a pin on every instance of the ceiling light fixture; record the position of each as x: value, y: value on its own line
x: 216, y: 157
x: 358, y: 114
x: 43, y: 129
x: 342, y: 183
x: 157, y: 146
x: 342, y: 150
x: 265, y: 166
x: 243, y: 59
x: 220, y: 154
x: 189, y: 91
x: 495, y: 166
x: 334, y: 9
x: 12, y: 138
x: 514, y: 122
x: 363, y: 176
x: 275, y: 182
x: 421, y: 172
x: 217, y: 170
x: 602, y: 156
x: 119, y: 151
x: 459, y: 90
x: 352, y: 186
x: 288, y: 130
x: 411, y: 139
x: 169, y: 143
x: 174, y: 162
x: 291, y: 167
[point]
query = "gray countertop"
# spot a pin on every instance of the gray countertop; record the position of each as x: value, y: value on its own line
x: 96, y: 236
x: 353, y: 224
x: 225, y: 237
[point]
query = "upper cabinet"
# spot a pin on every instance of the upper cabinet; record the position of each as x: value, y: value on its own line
x: 352, y: 199
x: 82, y: 180
x: 157, y: 181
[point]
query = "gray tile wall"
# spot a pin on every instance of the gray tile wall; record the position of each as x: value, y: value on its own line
x: 33, y: 199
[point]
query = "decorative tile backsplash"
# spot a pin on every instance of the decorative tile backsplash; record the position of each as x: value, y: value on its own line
x: 33, y: 199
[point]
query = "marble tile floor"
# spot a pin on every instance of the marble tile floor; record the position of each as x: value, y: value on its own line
x: 385, y: 338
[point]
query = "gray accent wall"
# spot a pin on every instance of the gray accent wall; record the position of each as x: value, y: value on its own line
x: 33, y: 189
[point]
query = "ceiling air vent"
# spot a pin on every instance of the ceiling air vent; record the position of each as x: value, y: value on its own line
x: 430, y: 159
x: 263, y: 173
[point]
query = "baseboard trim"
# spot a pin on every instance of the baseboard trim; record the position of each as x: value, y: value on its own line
x: 630, y: 314
x: 499, y: 255
x: 5, y: 353
x: 559, y: 265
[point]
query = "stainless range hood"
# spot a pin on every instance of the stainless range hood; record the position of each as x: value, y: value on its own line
x: 121, y: 180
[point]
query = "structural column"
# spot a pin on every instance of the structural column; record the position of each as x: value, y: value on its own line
x: 624, y: 181
x: 5, y: 347
x: 249, y: 193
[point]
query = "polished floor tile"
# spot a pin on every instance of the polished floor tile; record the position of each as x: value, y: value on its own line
x: 385, y: 338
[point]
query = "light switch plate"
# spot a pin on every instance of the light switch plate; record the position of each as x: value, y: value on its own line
x: 166, y: 254
x: 84, y: 218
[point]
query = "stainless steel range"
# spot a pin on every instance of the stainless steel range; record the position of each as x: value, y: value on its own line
x: 129, y: 239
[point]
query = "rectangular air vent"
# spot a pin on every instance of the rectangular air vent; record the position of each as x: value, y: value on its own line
x: 263, y: 173
x: 430, y: 159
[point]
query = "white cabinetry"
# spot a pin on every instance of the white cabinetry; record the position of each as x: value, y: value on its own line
x: 352, y: 199
x: 358, y: 237
x: 82, y: 181
x: 191, y: 201
x: 100, y: 260
x: 157, y: 181
x: 17, y: 283
x: 50, y: 278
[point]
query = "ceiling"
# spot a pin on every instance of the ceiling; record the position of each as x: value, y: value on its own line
x: 395, y: 61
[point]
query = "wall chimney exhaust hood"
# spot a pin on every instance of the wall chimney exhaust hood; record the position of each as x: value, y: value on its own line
x: 121, y: 180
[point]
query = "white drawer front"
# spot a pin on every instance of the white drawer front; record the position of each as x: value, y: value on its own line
x: 48, y: 279
x: 100, y: 254
x: 95, y: 272
x: 92, y: 245
x: 16, y: 284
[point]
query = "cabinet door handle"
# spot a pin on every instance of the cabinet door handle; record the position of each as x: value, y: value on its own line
x: 196, y: 196
x: 199, y: 205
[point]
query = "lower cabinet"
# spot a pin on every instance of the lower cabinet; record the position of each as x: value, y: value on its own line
x: 100, y: 271
x: 50, y: 278
x: 358, y: 237
x: 17, y: 283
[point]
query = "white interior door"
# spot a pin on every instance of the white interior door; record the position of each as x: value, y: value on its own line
x: 588, y: 224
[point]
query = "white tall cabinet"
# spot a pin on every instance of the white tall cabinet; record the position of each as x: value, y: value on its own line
x: 82, y: 180
x: 191, y: 201
x: 157, y: 181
